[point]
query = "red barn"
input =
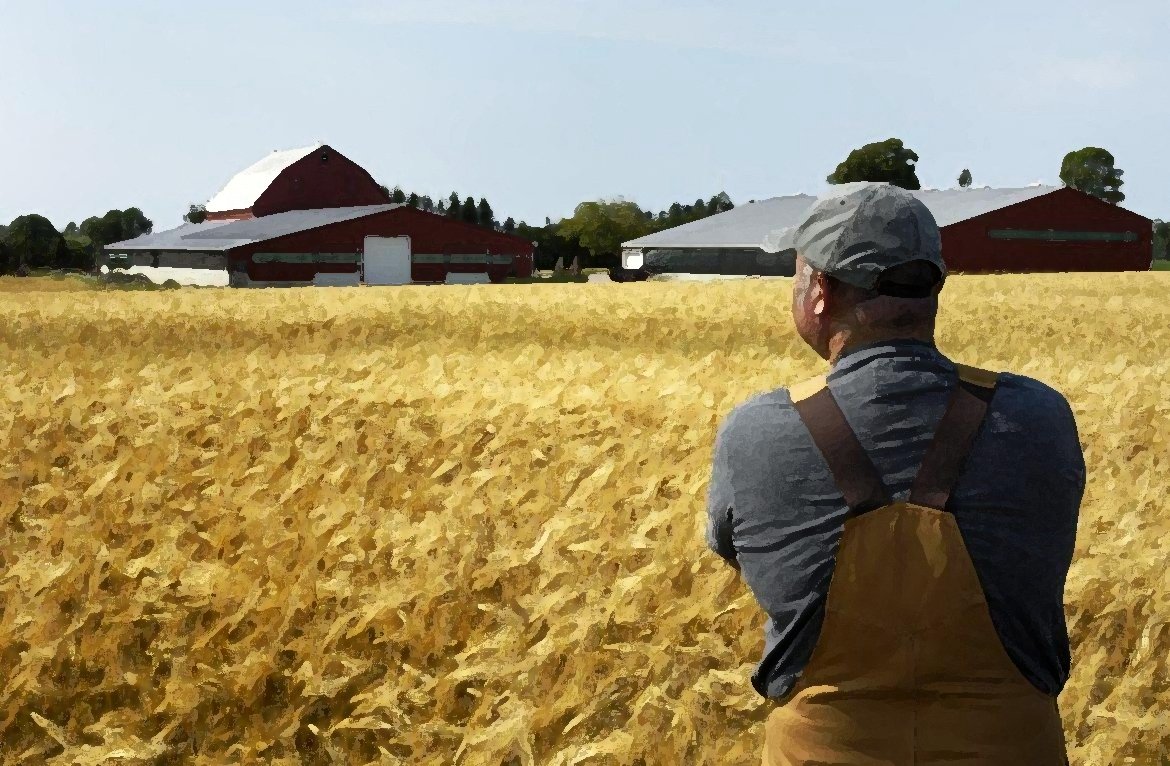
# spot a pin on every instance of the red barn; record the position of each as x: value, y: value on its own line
x: 312, y: 216
x: 1034, y: 228
x: 1060, y: 230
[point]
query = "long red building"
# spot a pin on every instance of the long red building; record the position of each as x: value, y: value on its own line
x: 1033, y: 228
x: 312, y: 216
x: 1063, y: 230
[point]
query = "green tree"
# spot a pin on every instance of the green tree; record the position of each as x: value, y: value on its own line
x: 80, y: 253
x: 509, y: 225
x: 487, y: 217
x: 1091, y: 170
x: 965, y: 178
x: 8, y: 259
x: 412, y: 200
x: 551, y: 244
x: 441, y: 209
x: 601, y: 227
x: 468, y: 213
x: 1161, y: 240
x: 116, y: 226
x: 385, y: 190
x: 196, y: 214
x: 34, y: 242
x: 887, y: 161
x: 397, y: 196
x: 135, y: 224
x: 103, y: 230
x: 427, y: 204
x: 453, y: 205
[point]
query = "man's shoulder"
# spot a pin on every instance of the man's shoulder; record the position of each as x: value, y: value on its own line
x: 764, y: 412
x: 1017, y: 391
x: 1034, y: 395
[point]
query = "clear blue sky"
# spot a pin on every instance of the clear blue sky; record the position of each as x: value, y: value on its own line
x: 541, y: 104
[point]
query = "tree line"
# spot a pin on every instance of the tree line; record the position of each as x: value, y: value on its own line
x: 593, y: 235
x: 595, y: 232
x: 32, y: 242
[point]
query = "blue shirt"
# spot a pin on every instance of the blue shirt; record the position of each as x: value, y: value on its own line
x: 775, y: 512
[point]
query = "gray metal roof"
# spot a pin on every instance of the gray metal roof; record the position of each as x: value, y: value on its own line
x: 748, y: 225
x: 217, y: 236
x: 953, y: 205
x: 160, y: 239
x: 742, y: 226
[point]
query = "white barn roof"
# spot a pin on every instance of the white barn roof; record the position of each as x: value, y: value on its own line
x: 218, y: 236
x: 245, y: 187
x: 750, y: 225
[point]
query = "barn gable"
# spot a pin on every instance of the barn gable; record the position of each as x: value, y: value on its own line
x: 245, y: 187
x: 308, y: 178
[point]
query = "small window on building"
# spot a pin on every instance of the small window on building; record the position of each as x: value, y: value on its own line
x: 1051, y: 235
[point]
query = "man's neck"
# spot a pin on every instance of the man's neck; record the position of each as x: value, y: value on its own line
x: 842, y: 344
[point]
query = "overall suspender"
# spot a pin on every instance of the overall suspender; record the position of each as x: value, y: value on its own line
x: 952, y: 443
x: 854, y: 472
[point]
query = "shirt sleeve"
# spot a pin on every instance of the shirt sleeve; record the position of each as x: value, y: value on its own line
x: 721, y: 500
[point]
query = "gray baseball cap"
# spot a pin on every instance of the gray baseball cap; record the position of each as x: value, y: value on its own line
x: 855, y: 231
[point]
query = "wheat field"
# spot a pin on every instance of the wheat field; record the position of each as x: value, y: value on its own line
x: 464, y: 524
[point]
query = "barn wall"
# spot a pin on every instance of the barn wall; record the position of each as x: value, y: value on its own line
x: 433, y: 238
x: 968, y: 247
x: 311, y: 183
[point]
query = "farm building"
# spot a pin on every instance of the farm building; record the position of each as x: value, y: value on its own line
x: 312, y: 216
x: 1035, y: 228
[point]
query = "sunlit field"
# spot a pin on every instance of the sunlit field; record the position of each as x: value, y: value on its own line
x: 464, y: 524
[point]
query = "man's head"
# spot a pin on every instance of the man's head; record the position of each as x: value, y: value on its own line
x: 868, y: 268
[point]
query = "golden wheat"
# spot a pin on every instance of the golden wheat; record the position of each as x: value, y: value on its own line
x: 465, y: 524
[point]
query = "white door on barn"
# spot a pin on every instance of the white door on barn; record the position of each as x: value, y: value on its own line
x: 387, y: 260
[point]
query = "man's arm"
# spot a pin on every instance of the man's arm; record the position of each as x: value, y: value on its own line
x: 1078, y: 462
x: 721, y: 500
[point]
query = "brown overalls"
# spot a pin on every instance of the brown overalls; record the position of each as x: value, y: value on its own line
x: 908, y: 668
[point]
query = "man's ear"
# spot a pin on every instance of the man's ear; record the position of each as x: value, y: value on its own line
x: 821, y: 295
